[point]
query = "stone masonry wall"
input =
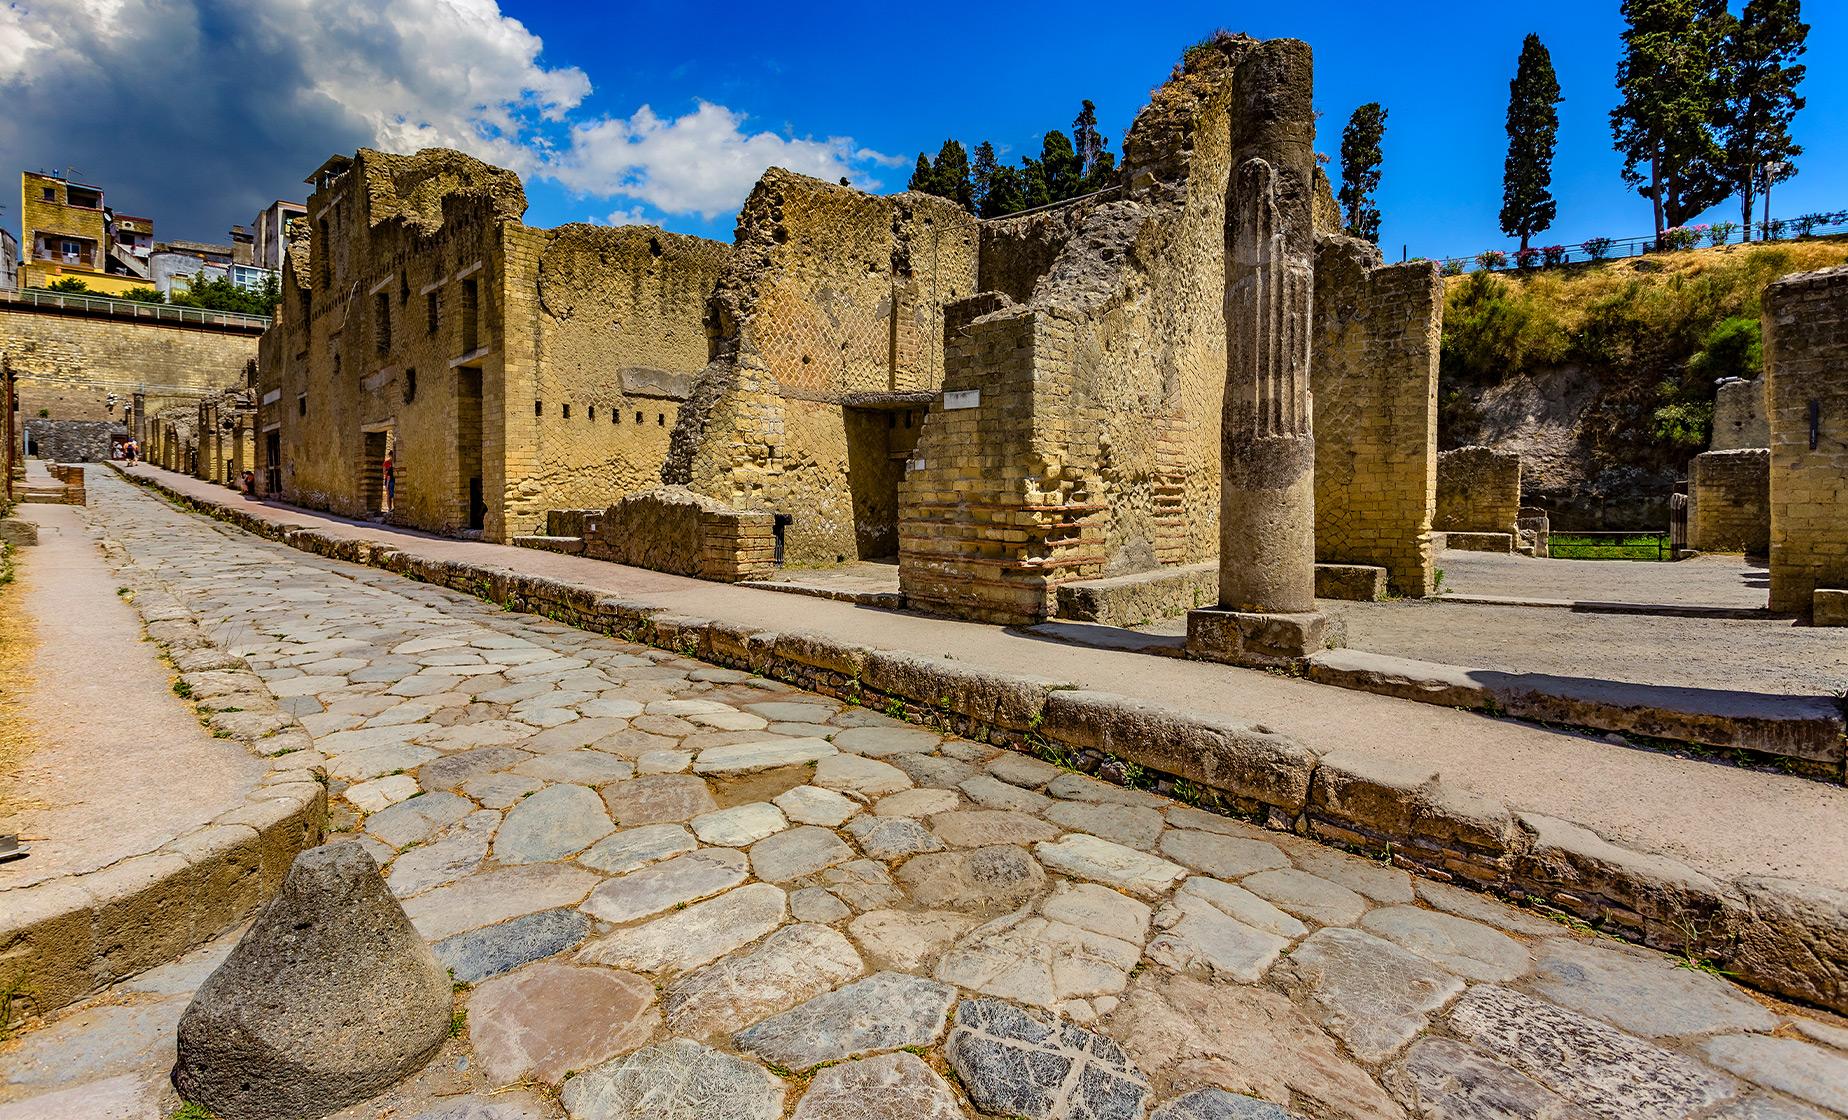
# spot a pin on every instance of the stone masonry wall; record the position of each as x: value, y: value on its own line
x: 1729, y: 501
x: 1806, y: 400
x: 1377, y: 333
x: 1739, y: 416
x: 672, y: 529
x: 70, y: 363
x: 1478, y: 491
x: 72, y: 441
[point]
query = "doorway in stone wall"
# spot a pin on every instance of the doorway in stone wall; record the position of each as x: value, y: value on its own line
x: 372, y: 471
x: 272, y: 462
x: 879, y: 440
x: 468, y: 448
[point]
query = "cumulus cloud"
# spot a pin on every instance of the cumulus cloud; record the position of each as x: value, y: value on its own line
x: 199, y: 112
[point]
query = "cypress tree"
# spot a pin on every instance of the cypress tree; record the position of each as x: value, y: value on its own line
x: 950, y: 175
x: 1096, y: 165
x: 982, y: 179
x: 1670, y: 80
x: 1064, y: 176
x: 922, y: 177
x: 1360, y: 170
x: 1763, y: 75
x: 1533, y: 128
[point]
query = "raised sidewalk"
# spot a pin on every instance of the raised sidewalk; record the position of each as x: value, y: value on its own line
x: 1745, y: 868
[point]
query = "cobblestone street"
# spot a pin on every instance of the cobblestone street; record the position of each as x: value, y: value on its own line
x: 669, y: 890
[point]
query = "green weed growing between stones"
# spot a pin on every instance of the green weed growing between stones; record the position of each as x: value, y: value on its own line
x: 183, y: 690
x: 458, y: 1022
x: 191, y: 1111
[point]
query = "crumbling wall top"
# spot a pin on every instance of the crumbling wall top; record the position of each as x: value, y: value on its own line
x: 419, y: 189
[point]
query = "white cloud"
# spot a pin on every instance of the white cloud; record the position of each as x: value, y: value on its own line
x: 224, y: 104
x: 704, y: 162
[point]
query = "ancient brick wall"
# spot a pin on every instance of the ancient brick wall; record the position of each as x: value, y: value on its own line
x: 620, y: 330
x: 1729, y: 501
x: 1739, y: 416
x: 1478, y: 491
x: 1806, y: 400
x: 830, y: 309
x: 70, y: 363
x: 72, y: 441
x: 1377, y: 333
x: 674, y: 529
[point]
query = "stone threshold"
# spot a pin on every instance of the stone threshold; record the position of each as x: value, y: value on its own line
x: 1782, y: 935
x: 1613, y: 606
x: 67, y: 938
x: 884, y: 600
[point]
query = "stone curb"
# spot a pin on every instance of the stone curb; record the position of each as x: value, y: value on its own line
x: 63, y: 939
x: 1784, y: 936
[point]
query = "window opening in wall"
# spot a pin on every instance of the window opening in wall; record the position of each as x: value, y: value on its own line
x: 51, y: 194
x: 470, y: 315
x: 326, y: 250
x: 410, y: 385
x: 660, y: 419
x: 778, y: 528
x: 404, y: 287
x: 336, y: 363
x: 381, y: 324
x: 564, y: 411
x: 591, y: 411
x: 615, y: 415
x: 468, y: 446
x: 430, y: 312
x: 538, y: 408
x: 638, y: 418
x: 301, y: 405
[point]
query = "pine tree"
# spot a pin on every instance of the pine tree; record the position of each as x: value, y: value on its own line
x: 1360, y: 169
x: 1059, y: 162
x: 950, y: 175
x: 1533, y: 128
x: 982, y: 175
x: 922, y: 177
x: 1669, y: 78
x: 1096, y: 165
x: 1034, y: 189
x: 1763, y: 75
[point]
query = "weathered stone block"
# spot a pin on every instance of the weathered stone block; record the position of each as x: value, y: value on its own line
x: 1258, y: 640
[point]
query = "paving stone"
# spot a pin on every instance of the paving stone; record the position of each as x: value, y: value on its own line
x: 638, y: 847
x: 548, y: 718
x: 658, y: 799
x: 889, y: 1087
x: 1099, y: 910
x: 797, y: 852
x: 1087, y: 857
x: 665, y: 885
x: 495, y: 896
x: 878, y: 742
x: 458, y: 851
x: 933, y: 770
x: 1487, y: 909
x: 1601, y: 1070
x: 801, y: 730
x: 885, y: 1011
x: 370, y: 762
x: 498, y: 791
x: 382, y: 793
x: 417, y: 819
x: 1365, y: 877
x: 676, y: 1080
x: 1369, y: 993
x: 615, y: 708
x: 698, y: 935
x: 663, y: 762
x: 1038, y: 961
x: 748, y: 758
x: 1197, y: 936
x: 478, y: 954
x: 551, y: 824
x: 864, y: 777
x: 792, y: 711
x: 1015, y: 1062
x: 1822, y: 1032
x: 1446, y: 1080
x: 1640, y: 992
x: 470, y: 736
x: 908, y: 940
x: 1078, y: 787
x: 1307, y: 896
x: 993, y: 793
x: 1217, y: 1104
x: 634, y: 743
x: 1759, y: 1106
x: 550, y: 1018
x: 793, y: 964
x: 1225, y: 857
x: 999, y: 877
x: 730, y: 721
x: 980, y: 828
x: 891, y: 838
x: 452, y: 771
x: 917, y: 803
x: 862, y: 884
x: 740, y: 825
x: 1788, y: 1065
x: 588, y: 768
x: 1123, y: 824
x: 577, y: 733
x: 813, y: 904
x: 1023, y: 770
x: 1456, y: 945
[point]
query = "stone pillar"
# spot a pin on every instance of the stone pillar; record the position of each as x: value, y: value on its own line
x: 1806, y: 400
x: 1266, y: 611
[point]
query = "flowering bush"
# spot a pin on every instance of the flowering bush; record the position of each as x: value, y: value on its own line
x: 1492, y: 259
x: 1453, y: 267
x: 1596, y: 247
x: 1771, y: 230
x: 1526, y: 258
x: 1719, y: 233
x: 1680, y: 237
x: 1806, y: 225
x: 1553, y: 255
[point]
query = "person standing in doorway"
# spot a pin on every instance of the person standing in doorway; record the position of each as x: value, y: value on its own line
x: 391, y: 484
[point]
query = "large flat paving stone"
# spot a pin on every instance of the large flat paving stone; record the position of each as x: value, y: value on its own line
x: 1014, y: 1062
x: 1197, y: 936
x: 1217, y: 1104
x: 670, y: 883
x: 739, y: 826
x: 1087, y: 857
x: 980, y: 828
x: 478, y: 954
x: 885, y: 1011
x: 1242, y: 905
x: 1224, y: 857
x: 889, y: 1087
x: 814, y: 805
x: 494, y: 896
x: 890, y: 838
x: 858, y: 776
x: 555, y: 822
x: 700, y: 934
x: 676, y: 1080
x: 1000, y: 877
x: 638, y: 847
x: 1601, y: 1070
x: 1640, y: 992
x: 1038, y: 961
x: 908, y: 940
x: 798, y: 852
x: 658, y: 799
x: 453, y: 771
x: 550, y: 1018
x: 793, y: 964
x: 417, y: 819
x: 1366, y: 991
x: 1307, y: 896
x: 1456, y: 945
x: 748, y: 758
x: 1451, y: 1081
x: 1131, y: 825
x: 1789, y: 1065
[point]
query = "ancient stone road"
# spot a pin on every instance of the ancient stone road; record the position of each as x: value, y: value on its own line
x: 675, y: 891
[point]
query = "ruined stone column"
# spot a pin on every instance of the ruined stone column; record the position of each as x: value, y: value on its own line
x: 1266, y: 611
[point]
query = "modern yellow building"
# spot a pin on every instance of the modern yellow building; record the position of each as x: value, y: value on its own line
x: 67, y: 233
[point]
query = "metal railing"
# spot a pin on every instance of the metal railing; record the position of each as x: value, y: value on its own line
x: 134, y: 309
x: 1695, y: 237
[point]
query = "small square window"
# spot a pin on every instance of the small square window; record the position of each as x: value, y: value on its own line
x: 638, y: 418
x: 51, y: 194
x: 660, y: 420
x: 564, y: 410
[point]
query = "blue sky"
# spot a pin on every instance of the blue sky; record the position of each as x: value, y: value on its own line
x: 667, y: 112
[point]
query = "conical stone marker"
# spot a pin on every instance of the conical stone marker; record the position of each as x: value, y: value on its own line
x: 329, y: 999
